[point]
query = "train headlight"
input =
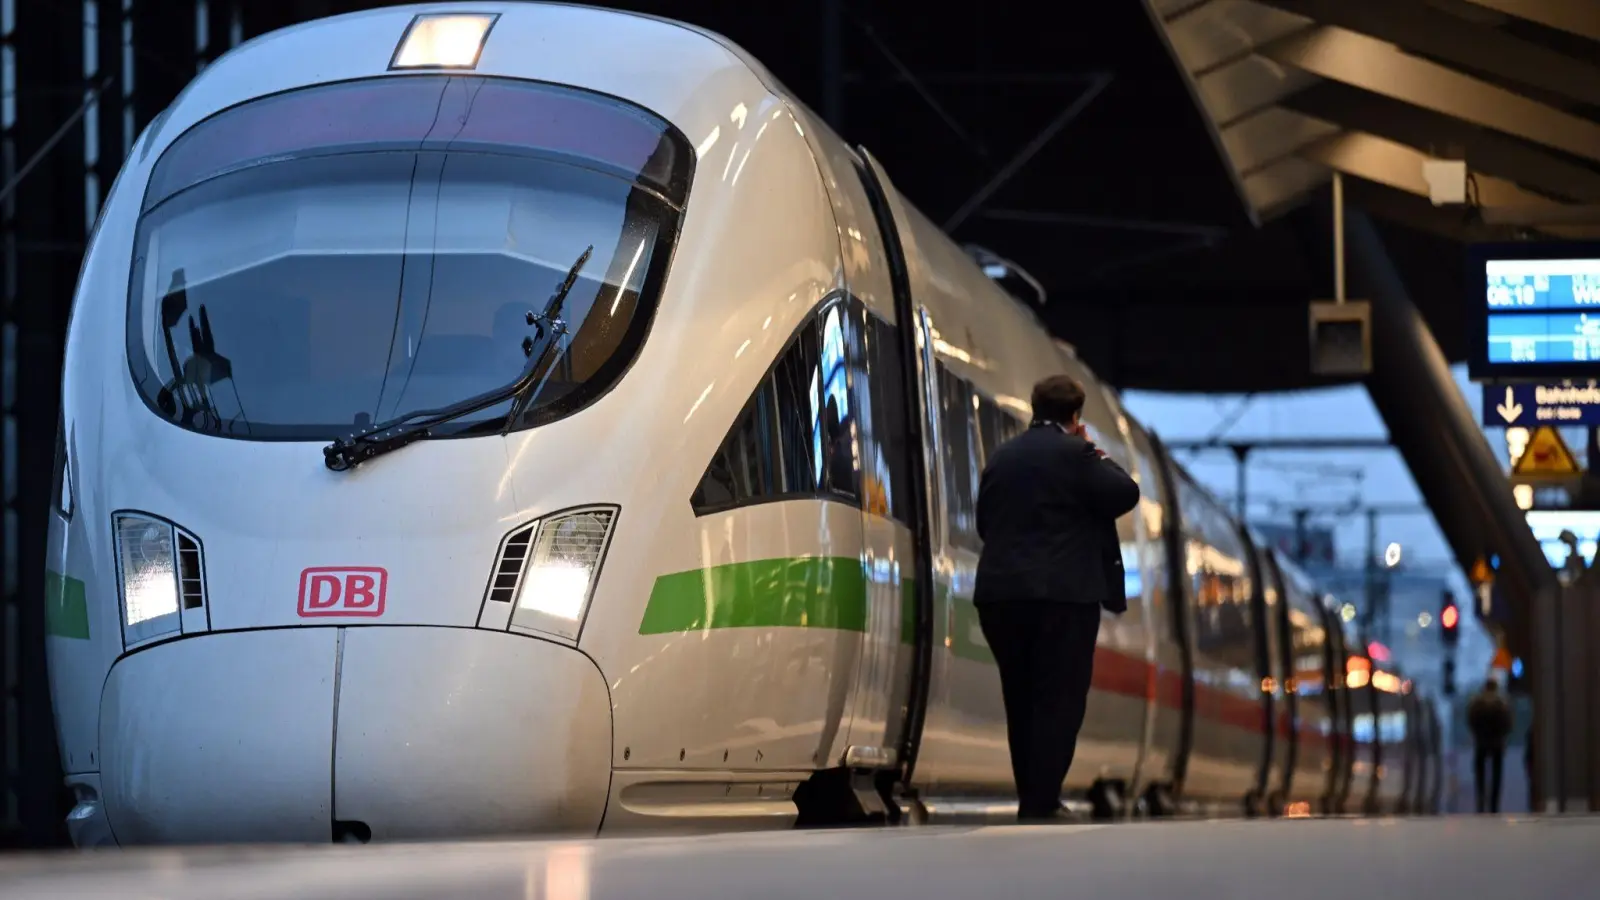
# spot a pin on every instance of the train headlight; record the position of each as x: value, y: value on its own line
x: 148, y: 577
x: 562, y: 566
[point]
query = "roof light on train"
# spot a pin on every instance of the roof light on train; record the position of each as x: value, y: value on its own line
x: 443, y: 41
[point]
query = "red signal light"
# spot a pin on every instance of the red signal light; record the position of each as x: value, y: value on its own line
x: 1449, y: 617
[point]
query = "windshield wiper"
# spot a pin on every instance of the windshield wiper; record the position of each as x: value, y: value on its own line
x: 348, y: 452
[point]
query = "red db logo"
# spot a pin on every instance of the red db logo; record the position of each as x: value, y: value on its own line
x: 333, y: 591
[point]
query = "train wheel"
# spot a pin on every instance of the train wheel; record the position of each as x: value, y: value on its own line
x: 1158, y: 801
x: 1106, y: 798
x: 1275, y: 804
x: 1252, y: 805
x: 834, y: 798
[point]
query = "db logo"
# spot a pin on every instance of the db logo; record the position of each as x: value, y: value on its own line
x: 342, y: 592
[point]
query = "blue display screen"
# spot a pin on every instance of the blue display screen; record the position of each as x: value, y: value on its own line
x: 1543, y: 310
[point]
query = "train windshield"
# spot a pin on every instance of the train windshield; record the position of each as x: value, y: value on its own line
x: 315, y: 262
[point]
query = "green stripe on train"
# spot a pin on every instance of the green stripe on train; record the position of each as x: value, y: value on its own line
x: 66, y: 607
x: 801, y: 592
x: 795, y: 592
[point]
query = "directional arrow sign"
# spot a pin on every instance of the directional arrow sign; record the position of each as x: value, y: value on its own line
x: 1510, y: 411
x: 1532, y: 405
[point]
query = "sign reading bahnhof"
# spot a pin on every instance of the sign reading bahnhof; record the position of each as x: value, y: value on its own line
x: 1529, y: 405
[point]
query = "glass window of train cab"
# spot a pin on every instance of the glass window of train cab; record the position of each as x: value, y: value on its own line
x: 771, y: 452
x: 960, y: 458
x: 337, y: 256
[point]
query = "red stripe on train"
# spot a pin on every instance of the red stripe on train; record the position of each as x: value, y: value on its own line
x: 1119, y: 673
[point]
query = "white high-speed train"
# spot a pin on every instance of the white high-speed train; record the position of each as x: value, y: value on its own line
x: 510, y: 417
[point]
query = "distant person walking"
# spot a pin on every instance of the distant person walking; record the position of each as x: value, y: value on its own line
x: 1489, y: 719
x: 1047, y: 510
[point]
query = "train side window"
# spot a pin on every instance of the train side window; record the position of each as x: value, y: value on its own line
x: 890, y: 469
x: 995, y: 426
x: 836, y: 423
x: 960, y: 458
x: 772, y: 450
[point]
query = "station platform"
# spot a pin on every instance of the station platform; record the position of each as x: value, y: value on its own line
x: 1309, y: 859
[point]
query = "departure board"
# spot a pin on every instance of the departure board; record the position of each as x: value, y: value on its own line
x: 1537, y: 314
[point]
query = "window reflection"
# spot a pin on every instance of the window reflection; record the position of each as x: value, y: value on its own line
x: 833, y: 431
x: 799, y: 433
x: 887, y: 487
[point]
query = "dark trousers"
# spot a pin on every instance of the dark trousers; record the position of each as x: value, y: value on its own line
x: 1493, y: 759
x: 1045, y: 652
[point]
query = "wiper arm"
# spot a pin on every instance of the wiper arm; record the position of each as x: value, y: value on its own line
x: 348, y: 452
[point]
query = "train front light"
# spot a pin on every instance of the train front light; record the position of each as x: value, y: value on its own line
x: 147, y: 578
x: 562, y: 566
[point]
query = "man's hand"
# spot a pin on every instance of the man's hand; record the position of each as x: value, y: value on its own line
x: 1078, y: 429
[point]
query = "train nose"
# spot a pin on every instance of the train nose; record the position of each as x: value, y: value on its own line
x: 404, y: 733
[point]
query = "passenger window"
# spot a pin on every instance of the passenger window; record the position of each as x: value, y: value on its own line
x: 795, y: 436
x: 960, y: 459
x: 995, y: 426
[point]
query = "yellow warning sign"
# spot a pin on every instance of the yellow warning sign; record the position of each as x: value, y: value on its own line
x: 1547, y: 454
x: 1502, y: 660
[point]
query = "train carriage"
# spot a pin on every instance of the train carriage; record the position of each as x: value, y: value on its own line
x: 511, y: 417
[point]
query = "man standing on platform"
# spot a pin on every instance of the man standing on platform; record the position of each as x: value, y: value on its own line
x: 1489, y: 718
x: 1047, y: 510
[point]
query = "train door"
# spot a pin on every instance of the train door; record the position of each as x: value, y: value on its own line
x: 1264, y: 601
x: 1340, y: 696
x: 907, y: 346
x: 1286, y: 723
x: 884, y: 460
x: 1150, y: 639
x: 1410, y: 740
x: 1164, y: 798
x: 1366, y: 739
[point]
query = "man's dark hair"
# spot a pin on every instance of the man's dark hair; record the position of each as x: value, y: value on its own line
x: 1057, y: 399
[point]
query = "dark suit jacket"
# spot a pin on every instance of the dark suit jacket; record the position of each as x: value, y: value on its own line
x: 1047, y: 511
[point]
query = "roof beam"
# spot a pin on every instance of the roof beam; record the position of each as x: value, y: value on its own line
x: 1484, y: 150
x: 1373, y: 65
x: 1398, y: 166
x: 1160, y: 14
x: 1429, y: 31
x: 1572, y: 16
x: 1409, y: 210
x: 1277, y: 188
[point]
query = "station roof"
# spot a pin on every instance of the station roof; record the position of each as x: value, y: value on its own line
x: 1147, y: 160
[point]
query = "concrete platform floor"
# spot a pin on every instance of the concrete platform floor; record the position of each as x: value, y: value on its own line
x: 1328, y: 859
